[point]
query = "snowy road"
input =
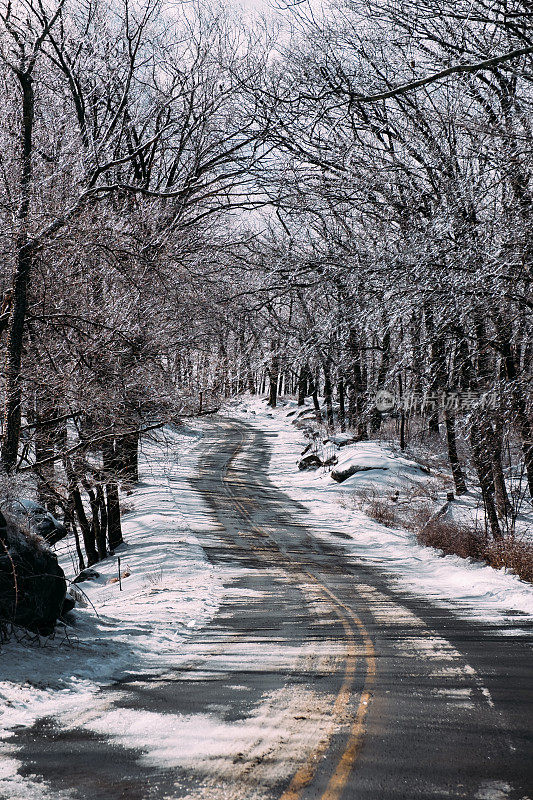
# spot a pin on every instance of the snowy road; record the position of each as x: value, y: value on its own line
x: 315, y: 679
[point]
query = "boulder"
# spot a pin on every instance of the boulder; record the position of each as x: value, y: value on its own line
x: 342, y: 439
x: 342, y: 473
x: 78, y: 596
x: 378, y: 463
x: 32, y: 584
x: 68, y: 604
x: 37, y: 518
x: 88, y: 574
x: 310, y: 462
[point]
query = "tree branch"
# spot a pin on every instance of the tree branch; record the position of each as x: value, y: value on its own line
x: 437, y: 76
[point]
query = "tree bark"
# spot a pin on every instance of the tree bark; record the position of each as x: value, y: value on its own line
x: 328, y: 393
x: 13, y: 377
x: 99, y: 534
x: 46, y: 435
x: 70, y: 524
x: 501, y: 497
x: 437, y: 383
x: 87, y: 531
x: 356, y: 387
x: 483, y: 466
x: 102, y: 510
x: 402, y: 413
x: 302, y: 384
x: 510, y: 373
x: 114, y: 526
x: 313, y: 389
x: 273, y: 381
x: 25, y: 256
x: 457, y: 470
x: 375, y: 421
x: 127, y: 456
x: 342, y: 407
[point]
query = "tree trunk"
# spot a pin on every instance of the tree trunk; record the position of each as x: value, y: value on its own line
x: 417, y: 363
x: 114, y: 526
x: 501, y: 498
x: 356, y: 386
x: 46, y: 435
x: 127, y: 456
x: 313, y: 389
x: 328, y: 394
x: 25, y: 256
x: 250, y: 379
x: 438, y: 379
x: 302, y: 384
x: 342, y: 408
x: 102, y: 509
x: 99, y: 534
x: 70, y: 524
x: 510, y: 373
x: 273, y: 381
x: 483, y: 466
x: 13, y: 377
x: 87, y: 531
x: 375, y: 421
x: 457, y: 470
x: 402, y: 413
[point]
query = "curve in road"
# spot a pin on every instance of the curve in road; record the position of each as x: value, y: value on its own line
x: 319, y: 679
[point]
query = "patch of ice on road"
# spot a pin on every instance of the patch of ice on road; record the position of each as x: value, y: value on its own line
x: 280, y: 732
x: 387, y: 612
x: 430, y: 648
x: 14, y: 787
x: 494, y: 790
x: 461, y: 698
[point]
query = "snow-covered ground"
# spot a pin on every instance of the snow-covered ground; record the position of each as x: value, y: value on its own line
x: 471, y: 588
x: 171, y: 592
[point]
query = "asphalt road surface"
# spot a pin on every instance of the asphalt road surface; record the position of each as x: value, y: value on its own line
x: 317, y: 680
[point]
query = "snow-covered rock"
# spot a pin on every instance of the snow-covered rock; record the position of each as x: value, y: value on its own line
x: 311, y: 461
x: 37, y: 518
x: 341, y: 439
x: 387, y: 468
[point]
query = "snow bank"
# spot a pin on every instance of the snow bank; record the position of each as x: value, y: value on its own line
x: 471, y: 589
x: 373, y: 465
x: 171, y: 592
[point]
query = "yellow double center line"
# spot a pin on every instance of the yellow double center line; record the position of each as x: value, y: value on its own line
x: 349, y: 619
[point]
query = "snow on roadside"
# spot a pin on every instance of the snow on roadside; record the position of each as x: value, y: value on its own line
x: 172, y: 591
x: 471, y: 588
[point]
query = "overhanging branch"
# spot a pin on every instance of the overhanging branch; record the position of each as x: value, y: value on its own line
x: 437, y: 76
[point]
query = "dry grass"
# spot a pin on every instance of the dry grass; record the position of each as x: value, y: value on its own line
x: 418, y: 515
x: 467, y: 542
x: 513, y: 555
x: 453, y: 538
x: 411, y: 509
x: 382, y: 511
x: 415, y: 511
x: 155, y: 578
x: 376, y: 506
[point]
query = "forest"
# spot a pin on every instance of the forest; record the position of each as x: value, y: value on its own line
x: 198, y: 201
